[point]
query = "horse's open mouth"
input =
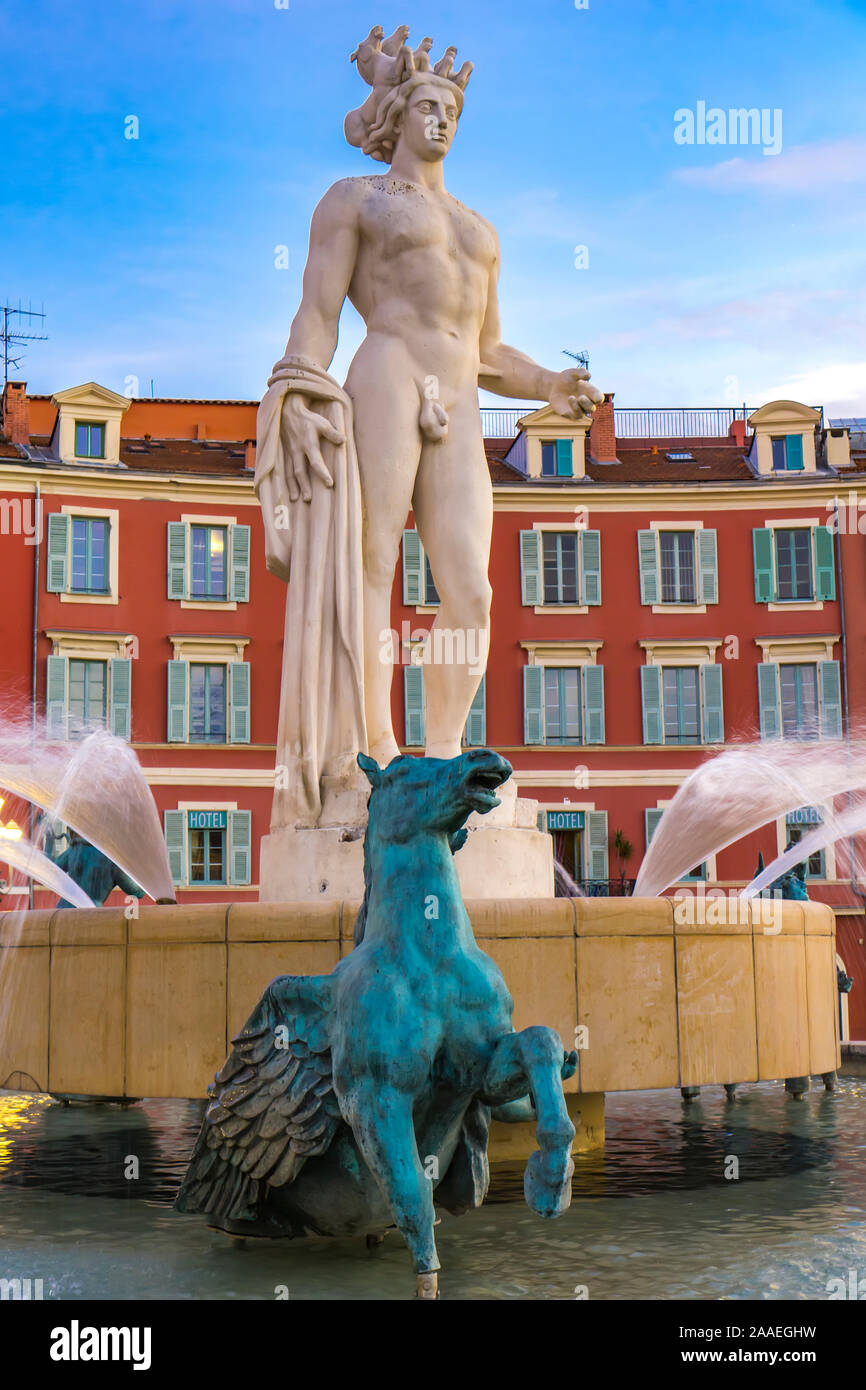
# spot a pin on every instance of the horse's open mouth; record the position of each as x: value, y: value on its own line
x: 480, y: 788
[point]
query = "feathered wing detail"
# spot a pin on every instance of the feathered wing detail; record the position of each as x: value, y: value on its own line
x: 273, y: 1104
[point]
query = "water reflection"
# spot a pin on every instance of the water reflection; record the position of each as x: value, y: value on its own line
x: 792, y: 1218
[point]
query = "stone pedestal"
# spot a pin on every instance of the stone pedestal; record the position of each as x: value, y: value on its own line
x: 506, y: 855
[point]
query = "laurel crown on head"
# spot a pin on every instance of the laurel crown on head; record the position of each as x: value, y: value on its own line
x: 386, y: 64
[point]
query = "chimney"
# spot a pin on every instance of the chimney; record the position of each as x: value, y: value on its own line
x: 602, y: 433
x: 737, y: 432
x: 250, y: 454
x: 16, y: 412
x: 201, y: 430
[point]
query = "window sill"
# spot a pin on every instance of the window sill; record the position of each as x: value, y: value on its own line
x: 551, y: 609
x: 796, y: 606
x: 676, y: 608
x: 426, y: 607
x: 226, y: 605
x: 70, y: 597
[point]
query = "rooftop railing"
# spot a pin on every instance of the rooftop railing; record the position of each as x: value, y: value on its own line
x: 674, y: 422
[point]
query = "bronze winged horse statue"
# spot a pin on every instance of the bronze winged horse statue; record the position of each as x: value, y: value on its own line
x: 359, y: 1099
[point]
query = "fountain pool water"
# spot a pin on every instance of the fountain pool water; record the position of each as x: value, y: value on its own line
x: 653, y: 1215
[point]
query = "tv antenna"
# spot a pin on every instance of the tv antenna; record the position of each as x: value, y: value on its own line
x: 581, y: 357
x: 12, y: 339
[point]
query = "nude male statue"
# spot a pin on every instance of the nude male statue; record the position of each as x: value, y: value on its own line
x: 421, y: 269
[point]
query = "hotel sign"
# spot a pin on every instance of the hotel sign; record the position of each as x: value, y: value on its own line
x: 565, y: 820
x: 208, y: 820
x: 805, y: 815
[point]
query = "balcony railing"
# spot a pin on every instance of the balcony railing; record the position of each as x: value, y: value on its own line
x: 604, y: 888
x: 675, y: 422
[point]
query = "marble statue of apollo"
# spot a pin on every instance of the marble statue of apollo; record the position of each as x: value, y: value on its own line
x: 403, y: 432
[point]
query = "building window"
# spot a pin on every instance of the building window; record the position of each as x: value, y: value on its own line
x: 677, y: 551
x: 414, y: 711
x: 419, y: 588
x: 89, y: 567
x: 562, y: 705
x: 560, y: 567
x: 678, y: 567
x: 431, y: 593
x: 207, y: 703
x: 815, y: 864
x: 209, y: 847
x: 556, y: 458
x: 87, y: 697
x: 89, y: 440
x: 794, y: 564
x: 787, y: 453
x: 798, y: 688
x: 207, y: 856
x: 208, y: 567
x: 559, y: 551
x: 681, y: 704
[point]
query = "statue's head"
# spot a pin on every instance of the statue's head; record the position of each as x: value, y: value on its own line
x: 422, y: 796
x: 411, y: 100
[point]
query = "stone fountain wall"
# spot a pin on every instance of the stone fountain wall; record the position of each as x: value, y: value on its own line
x: 94, y: 1004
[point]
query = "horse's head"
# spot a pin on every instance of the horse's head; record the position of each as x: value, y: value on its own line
x: 416, y: 796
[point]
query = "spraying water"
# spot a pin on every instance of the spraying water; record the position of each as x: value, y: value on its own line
x: 850, y: 822
x: 99, y: 789
x: 739, y: 791
x: 21, y: 854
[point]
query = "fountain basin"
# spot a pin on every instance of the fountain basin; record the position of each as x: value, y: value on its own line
x: 93, y: 1003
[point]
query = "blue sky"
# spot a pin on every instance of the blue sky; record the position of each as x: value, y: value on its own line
x: 715, y: 273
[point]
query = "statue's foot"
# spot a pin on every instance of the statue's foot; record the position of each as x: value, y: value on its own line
x: 427, y: 1285
x: 547, y: 1181
x: 385, y: 751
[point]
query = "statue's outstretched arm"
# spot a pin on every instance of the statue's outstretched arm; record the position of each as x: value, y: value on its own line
x: 507, y: 372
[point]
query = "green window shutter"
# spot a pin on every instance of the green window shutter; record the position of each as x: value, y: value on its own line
x: 177, y: 543
x: 178, y: 702
x: 652, y: 815
x: 762, y: 550
x: 825, y: 563
x: 56, y: 709
x: 794, y: 452
x: 57, y: 564
x: 564, y: 467
x: 592, y: 680
x: 711, y: 700
x: 648, y: 560
x: 590, y: 567
x: 475, y: 733
x: 531, y: 591
x: 413, y: 705
x: 533, y: 704
x: 768, y: 699
x: 413, y: 569
x: 651, y: 701
x: 121, y: 696
x: 596, y: 846
x: 239, y: 563
x: 239, y: 701
x: 831, y: 699
x: 240, y: 846
x: 708, y: 566
x: 174, y: 829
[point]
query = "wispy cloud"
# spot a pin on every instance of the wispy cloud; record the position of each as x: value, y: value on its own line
x: 838, y: 385
x: 808, y: 168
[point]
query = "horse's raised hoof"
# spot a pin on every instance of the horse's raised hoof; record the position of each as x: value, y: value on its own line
x: 547, y: 1182
x: 427, y: 1285
x: 569, y: 1065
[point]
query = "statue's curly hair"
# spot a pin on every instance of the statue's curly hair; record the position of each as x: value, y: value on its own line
x: 374, y: 127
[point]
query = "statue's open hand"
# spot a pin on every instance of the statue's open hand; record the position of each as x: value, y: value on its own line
x: 573, y: 396
x: 302, y: 431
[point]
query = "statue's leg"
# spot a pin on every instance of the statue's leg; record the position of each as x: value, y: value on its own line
x: 453, y: 503
x: 381, y: 1120
x: 388, y: 442
x: 534, y: 1060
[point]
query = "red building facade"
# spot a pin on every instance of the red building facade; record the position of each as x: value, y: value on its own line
x: 665, y: 584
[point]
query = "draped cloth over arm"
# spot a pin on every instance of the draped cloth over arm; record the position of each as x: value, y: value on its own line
x: 315, y: 547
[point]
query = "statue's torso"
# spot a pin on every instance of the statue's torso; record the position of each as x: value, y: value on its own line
x: 422, y: 273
